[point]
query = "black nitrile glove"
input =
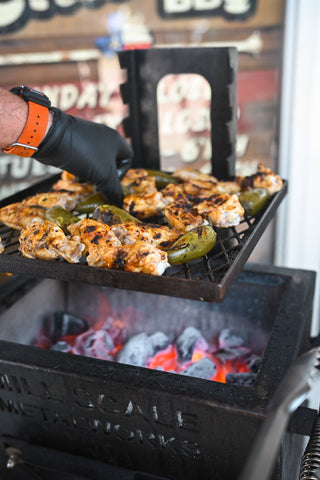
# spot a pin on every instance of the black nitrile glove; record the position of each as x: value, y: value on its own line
x: 91, y: 151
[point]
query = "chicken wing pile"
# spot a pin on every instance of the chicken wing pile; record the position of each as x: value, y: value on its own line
x: 188, y: 201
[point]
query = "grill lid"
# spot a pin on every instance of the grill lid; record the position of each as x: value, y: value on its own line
x: 208, y: 278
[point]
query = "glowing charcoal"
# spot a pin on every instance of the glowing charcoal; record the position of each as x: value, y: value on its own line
x: 141, y: 347
x: 190, y: 339
x: 94, y: 343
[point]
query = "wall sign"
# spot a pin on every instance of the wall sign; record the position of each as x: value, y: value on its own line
x: 15, y: 14
x: 229, y: 9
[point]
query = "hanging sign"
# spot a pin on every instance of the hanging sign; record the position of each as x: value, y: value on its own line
x: 229, y: 9
x: 15, y: 14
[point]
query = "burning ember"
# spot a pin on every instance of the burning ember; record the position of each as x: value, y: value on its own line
x: 223, y: 359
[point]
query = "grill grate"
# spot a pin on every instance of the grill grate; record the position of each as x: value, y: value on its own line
x: 208, y: 279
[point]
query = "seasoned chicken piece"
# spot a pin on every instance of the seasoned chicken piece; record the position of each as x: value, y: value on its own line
x: 18, y: 216
x: 224, y: 210
x: 91, y: 232
x: 187, y: 174
x: 46, y: 241
x: 144, y: 206
x: 172, y: 192
x: 263, y: 178
x: 138, y: 257
x: 69, y: 183
x: 181, y: 216
x: 66, y: 200
x: 138, y: 181
x: 1, y: 246
x: 132, y: 175
x: 230, y: 187
x: 194, y: 187
x: 160, y: 236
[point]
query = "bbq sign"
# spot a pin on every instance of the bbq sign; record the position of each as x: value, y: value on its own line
x: 230, y: 9
x: 15, y: 14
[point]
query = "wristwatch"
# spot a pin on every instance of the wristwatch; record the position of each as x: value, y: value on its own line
x: 36, y: 124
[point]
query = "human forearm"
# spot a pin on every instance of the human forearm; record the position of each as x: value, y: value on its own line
x: 13, y: 116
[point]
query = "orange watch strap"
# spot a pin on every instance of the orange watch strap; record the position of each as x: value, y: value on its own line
x: 33, y: 132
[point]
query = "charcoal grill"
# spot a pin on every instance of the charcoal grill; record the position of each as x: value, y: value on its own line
x: 142, y: 423
x: 146, y: 420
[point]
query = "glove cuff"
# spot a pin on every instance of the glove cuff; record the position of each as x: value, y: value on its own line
x: 48, y: 147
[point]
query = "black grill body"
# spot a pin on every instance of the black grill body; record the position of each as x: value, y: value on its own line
x: 160, y: 423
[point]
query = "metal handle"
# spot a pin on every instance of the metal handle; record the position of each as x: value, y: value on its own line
x: 291, y: 392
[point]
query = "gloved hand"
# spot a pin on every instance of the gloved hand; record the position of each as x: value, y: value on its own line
x: 91, y: 151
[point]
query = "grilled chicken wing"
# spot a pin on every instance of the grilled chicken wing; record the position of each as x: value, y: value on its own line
x: 263, y: 178
x: 181, y: 217
x: 18, y: 216
x: 69, y: 183
x: 138, y: 257
x: 187, y: 174
x: 144, y: 206
x: 160, y: 236
x: 91, y: 232
x: 172, y: 192
x: 66, y: 200
x: 224, y: 210
x: 138, y: 181
x: 46, y: 241
x: 195, y: 182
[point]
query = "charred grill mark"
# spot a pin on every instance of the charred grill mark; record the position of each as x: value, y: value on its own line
x: 219, y: 200
x: 95, y: 239
x: 120, y: 260
x: 90, y: 228
x: 165, y: 243
x: 131, y: 208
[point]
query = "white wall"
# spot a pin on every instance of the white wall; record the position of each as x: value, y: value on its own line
x: 298, y: 221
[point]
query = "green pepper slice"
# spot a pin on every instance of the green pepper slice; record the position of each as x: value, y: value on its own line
x: 90, y: 203
x: 61, y: 217
x: 192, y: 245
x: 253, y: 200
x: 162, y: 179
x: 111, y: 215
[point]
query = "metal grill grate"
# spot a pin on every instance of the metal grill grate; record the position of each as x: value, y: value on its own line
x: 208, y: 278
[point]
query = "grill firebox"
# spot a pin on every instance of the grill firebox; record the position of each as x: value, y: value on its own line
x: 160, y: 423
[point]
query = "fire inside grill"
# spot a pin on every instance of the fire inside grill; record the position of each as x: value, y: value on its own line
x: 225, y: 358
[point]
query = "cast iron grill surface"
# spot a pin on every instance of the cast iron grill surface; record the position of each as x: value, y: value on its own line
x: 207, y: 279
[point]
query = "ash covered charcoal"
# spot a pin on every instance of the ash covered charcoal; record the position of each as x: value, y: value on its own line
x: 254, y: 363
x: 159, y: 341
x: 229, y: 338
x: 62, y: 346
x: 94, y: 343
x: 141, y: 347
x: 232, y: 353
x: 204, y: 368
x: 241, y: 379
x: 190, y: 339
x: 62, y: 323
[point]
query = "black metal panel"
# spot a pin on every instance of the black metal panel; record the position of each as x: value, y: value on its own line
x: 207, y: 279
x: 145, y: 68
